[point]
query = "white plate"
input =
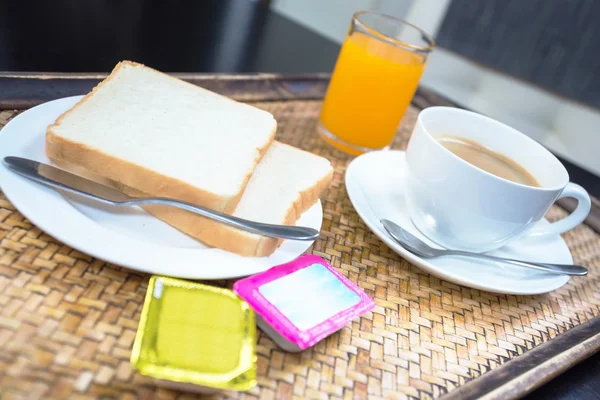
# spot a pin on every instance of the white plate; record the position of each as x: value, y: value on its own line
x: 374, y: 182
x: 125, y: 236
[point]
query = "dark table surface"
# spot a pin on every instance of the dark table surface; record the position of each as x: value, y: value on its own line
x: 228, y: 36
x: 174, y: 36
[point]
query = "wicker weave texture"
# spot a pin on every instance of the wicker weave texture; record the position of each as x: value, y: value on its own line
x: 67, y: 321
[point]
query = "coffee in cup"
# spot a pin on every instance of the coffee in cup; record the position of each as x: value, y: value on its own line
x: 487, y: 159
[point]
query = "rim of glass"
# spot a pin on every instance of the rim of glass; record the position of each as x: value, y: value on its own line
x: 390, y: 39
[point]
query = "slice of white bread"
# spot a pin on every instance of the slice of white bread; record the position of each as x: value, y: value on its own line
x: 161, y: 135
x: 286, y: 182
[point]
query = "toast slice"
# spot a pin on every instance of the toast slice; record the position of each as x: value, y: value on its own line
x: 286, y: 182
x: 161, y: 135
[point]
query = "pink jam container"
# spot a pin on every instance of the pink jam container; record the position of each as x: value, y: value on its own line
x: 301, y: 302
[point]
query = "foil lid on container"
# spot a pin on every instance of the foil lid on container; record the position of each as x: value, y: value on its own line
x: 195, y: 337
x: 301, y: 302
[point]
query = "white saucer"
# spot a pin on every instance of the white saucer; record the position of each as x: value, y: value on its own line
x: 126, y: 236
x: 374, y: 182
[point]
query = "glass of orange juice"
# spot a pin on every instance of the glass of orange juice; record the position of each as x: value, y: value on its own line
x: 374, y: 80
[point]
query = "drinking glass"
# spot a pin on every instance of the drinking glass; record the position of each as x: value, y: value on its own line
x: 374, y: 80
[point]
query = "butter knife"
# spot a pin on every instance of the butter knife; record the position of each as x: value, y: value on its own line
x: 63, y: 180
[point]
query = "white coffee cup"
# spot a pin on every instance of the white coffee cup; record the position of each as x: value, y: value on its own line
x: 461, y: 206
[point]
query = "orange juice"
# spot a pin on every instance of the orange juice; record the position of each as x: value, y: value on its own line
x: 372, y: 85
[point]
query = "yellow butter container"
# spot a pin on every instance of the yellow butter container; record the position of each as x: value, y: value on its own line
x: 195, y: 337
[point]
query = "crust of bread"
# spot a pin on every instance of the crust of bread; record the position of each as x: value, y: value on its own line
x: 63, y: 151
x: 231, y: 239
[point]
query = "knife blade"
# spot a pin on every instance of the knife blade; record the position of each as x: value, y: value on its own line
x: 64, y: 180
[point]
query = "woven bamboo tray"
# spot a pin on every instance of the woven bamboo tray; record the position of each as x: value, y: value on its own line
x: 67, y: 321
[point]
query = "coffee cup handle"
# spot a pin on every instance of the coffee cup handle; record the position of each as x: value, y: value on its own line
x: 580, y: 213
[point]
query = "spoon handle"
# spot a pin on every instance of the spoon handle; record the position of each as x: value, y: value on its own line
x: 563, y: 269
